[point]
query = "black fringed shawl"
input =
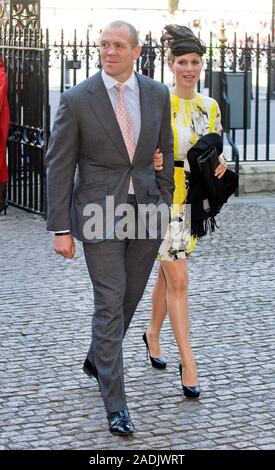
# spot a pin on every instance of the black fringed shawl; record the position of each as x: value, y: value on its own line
x: 203, y: 219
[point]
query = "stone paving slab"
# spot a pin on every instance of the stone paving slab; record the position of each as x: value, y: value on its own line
x: 46, y: 402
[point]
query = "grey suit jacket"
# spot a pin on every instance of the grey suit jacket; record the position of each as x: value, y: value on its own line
x: 87, y: 159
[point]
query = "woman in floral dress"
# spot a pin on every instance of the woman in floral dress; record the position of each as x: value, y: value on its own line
x: 193, y: 115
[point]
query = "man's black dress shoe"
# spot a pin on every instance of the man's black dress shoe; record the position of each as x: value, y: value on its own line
x: 89, y: 369
x: 120, y: 423
x: 157, y: 362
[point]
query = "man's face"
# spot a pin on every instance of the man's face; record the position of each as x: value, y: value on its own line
x: 117, y: 52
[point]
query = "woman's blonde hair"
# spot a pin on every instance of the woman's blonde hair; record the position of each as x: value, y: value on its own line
x: 170, y: 56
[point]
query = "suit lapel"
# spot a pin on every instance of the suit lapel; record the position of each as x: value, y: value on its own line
x: 100, y: 102
x: 147, y: 111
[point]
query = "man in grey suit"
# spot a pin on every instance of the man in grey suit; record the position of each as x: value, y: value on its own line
x: 88, y: 163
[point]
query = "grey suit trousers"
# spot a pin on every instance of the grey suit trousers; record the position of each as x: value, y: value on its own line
x: 119, y: 271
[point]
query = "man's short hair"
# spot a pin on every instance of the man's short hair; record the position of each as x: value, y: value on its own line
x: 132, y: 30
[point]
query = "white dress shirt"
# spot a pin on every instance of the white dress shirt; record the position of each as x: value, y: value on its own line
x: 131, y: 95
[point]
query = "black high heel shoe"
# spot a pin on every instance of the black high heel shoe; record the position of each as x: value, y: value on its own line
x: 189, y: 392
x: 157, y: 362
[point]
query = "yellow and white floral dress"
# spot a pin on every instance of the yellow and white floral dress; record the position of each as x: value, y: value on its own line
x: 191, y: 119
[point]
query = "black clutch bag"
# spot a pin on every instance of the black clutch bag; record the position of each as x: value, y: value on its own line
x: 219, y: 189
x: 208, y: 163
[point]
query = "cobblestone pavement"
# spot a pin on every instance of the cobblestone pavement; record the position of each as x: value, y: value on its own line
x: 48, y: 403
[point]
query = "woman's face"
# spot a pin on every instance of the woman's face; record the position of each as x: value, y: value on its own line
x: 186, y: 69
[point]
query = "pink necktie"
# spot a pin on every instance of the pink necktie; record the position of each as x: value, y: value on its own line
x: 125, y: 121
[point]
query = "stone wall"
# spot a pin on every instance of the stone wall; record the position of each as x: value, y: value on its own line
x: 257, y: 176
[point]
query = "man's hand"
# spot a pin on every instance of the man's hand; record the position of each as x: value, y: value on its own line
x: 222, y: 167
x: 158, y: 160
x: 64, y: 245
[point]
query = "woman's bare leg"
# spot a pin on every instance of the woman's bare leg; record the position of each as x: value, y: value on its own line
x: 176, y: 276
x: 158, y: 314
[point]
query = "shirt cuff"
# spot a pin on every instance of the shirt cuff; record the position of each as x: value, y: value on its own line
x: 62, y: 232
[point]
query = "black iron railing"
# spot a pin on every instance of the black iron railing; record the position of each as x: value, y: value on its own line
x: 75, y: 60
x: 35, y: 68
x: 26, y: 56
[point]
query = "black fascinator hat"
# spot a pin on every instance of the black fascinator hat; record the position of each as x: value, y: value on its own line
x: 181, y: 40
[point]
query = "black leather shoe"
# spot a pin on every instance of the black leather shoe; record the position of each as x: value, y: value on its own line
x: 89, y: 369
x: 120, y: 423
x: 157, y: 362
x: 189, y: 392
